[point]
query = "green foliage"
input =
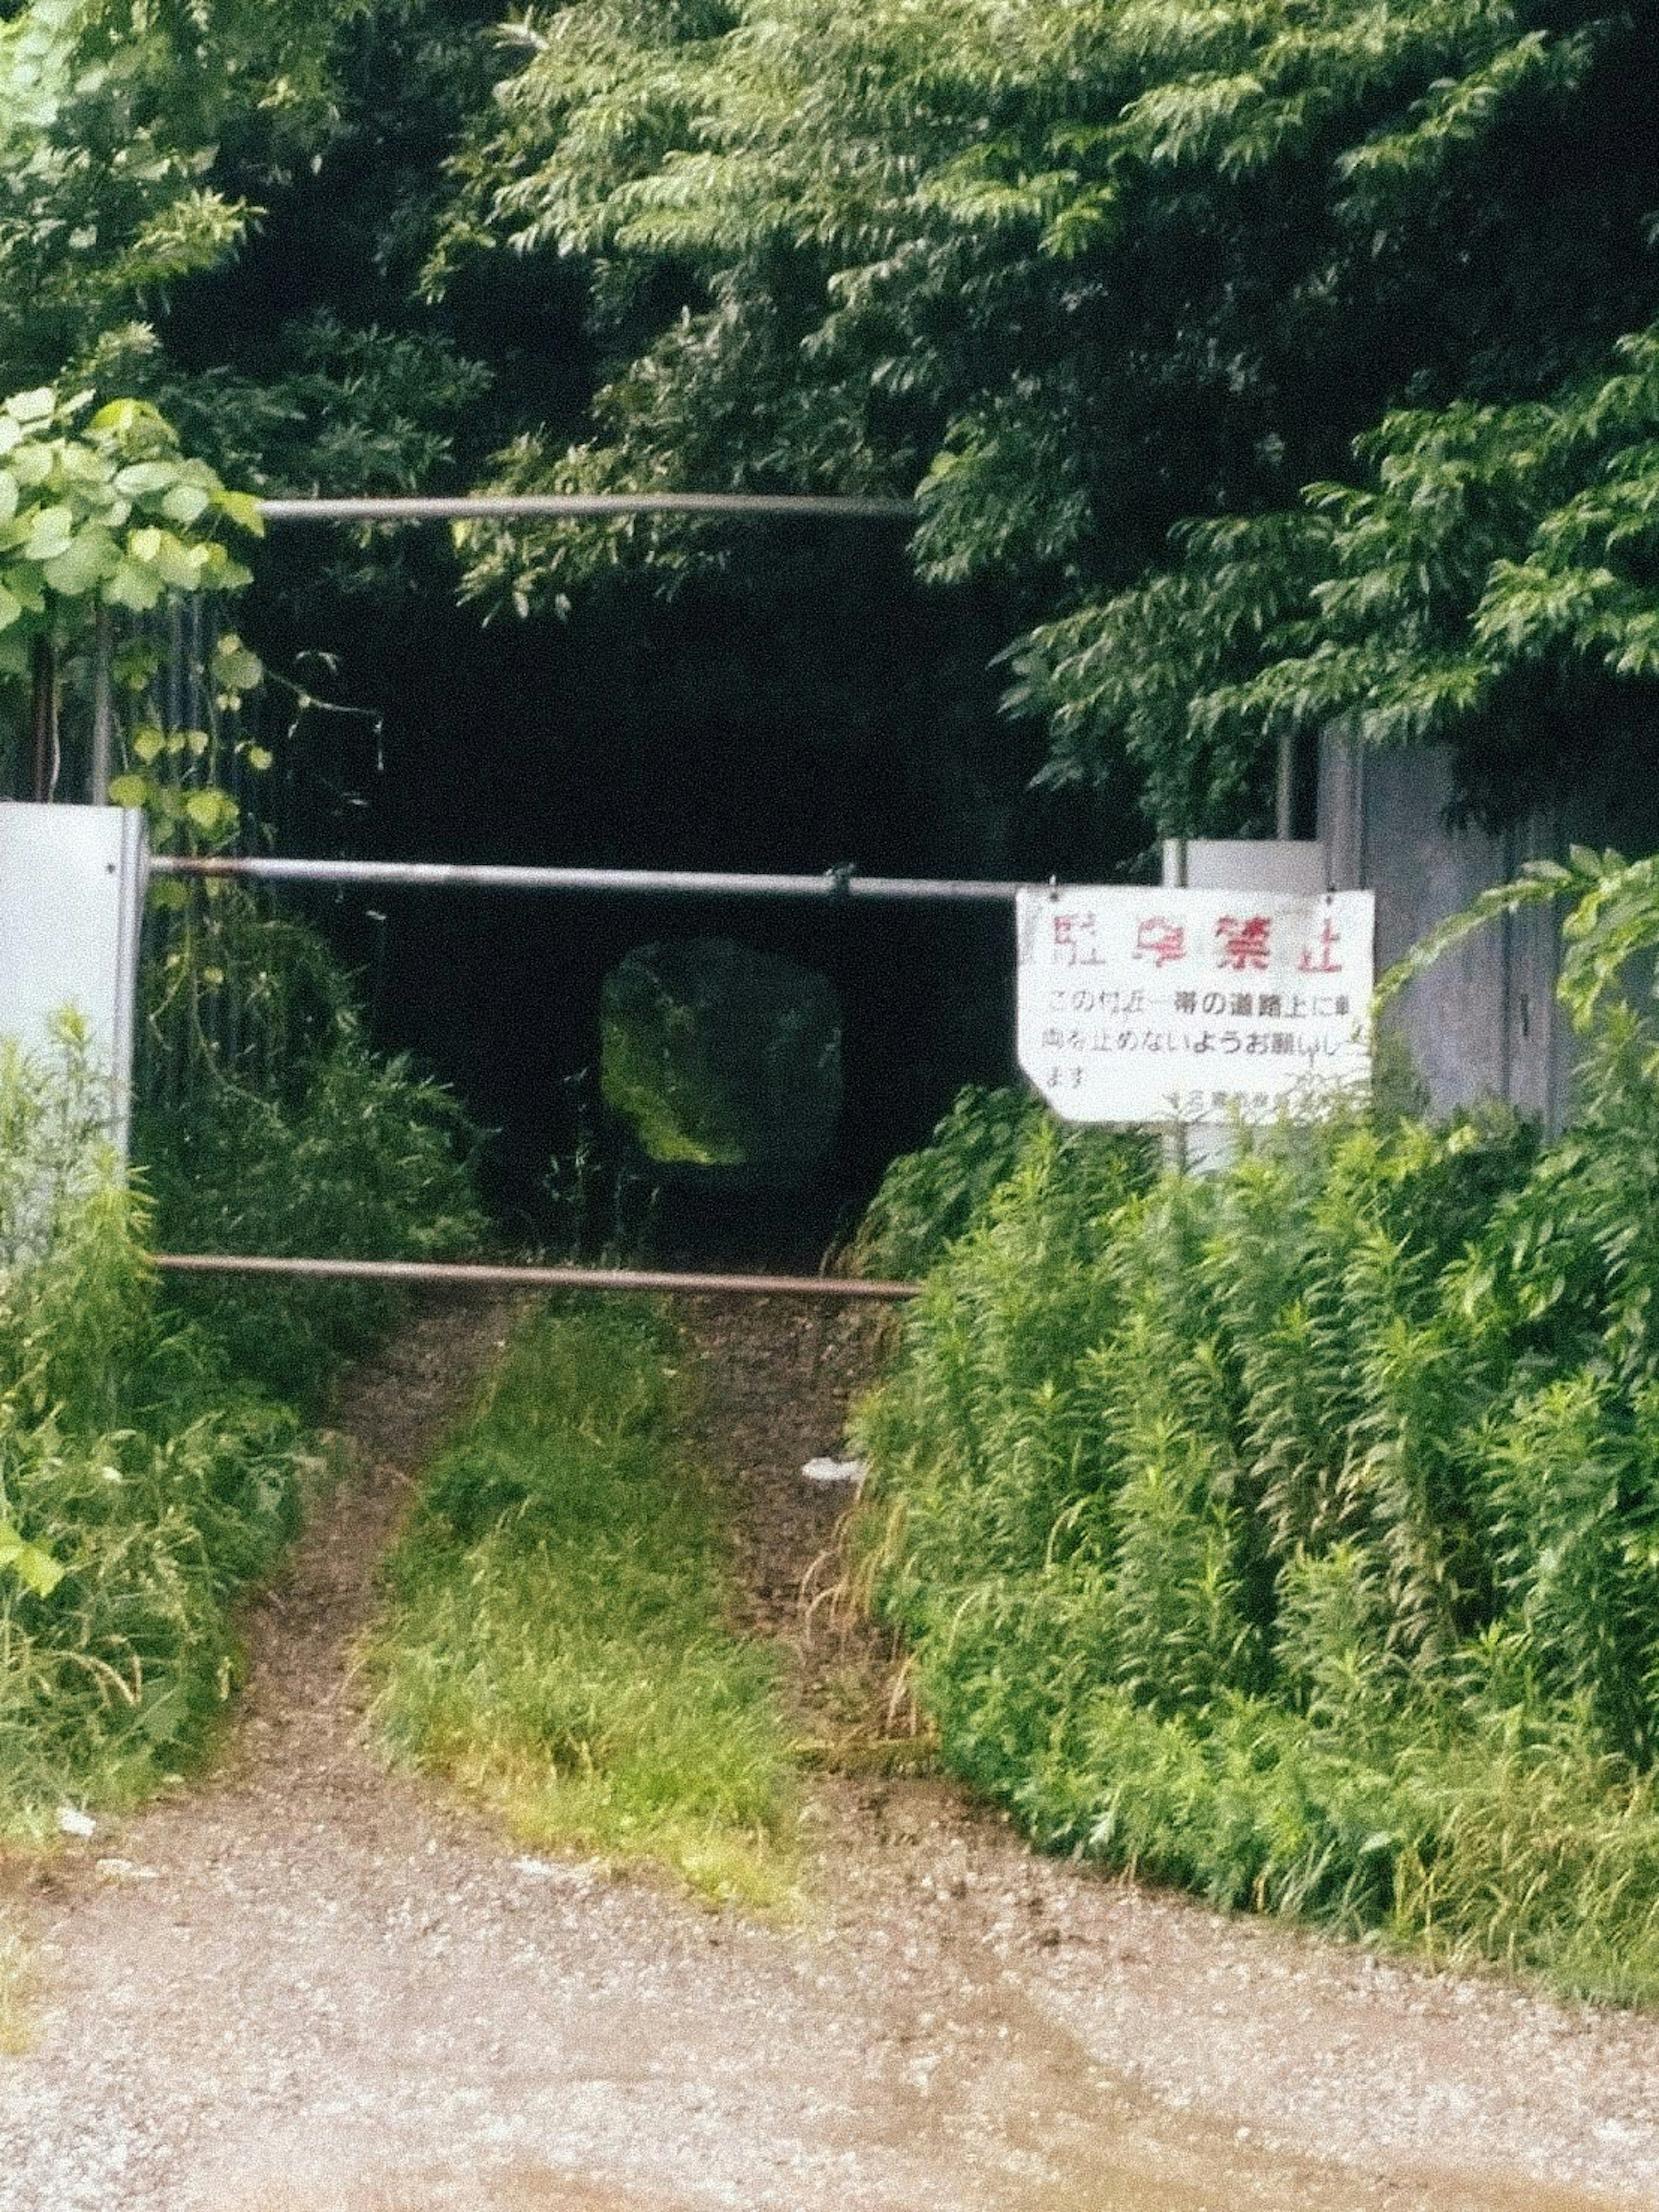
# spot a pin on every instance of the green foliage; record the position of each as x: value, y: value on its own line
x: 1090, y: 274
x: 149, y: 151
x: 298, y: 1140
x: 111, y: 515
x: 141, y: 1486
x: 111, y: 116
x: 928, y: 1198
x: 355, y: 411
x: 1292, y: 1533
x: 148, y: 1471
x: 103, y: 519
x: 555, y: 1642
x: 1489, y: 585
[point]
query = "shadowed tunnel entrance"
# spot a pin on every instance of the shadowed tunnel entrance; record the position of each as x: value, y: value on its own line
x: 831, y: 712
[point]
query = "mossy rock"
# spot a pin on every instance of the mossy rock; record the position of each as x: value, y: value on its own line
x: 724, y: 1061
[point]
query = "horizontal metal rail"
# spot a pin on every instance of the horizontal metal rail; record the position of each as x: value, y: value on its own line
x: 578, y: 506
x: 456, y: 1275
x: 441, y: 875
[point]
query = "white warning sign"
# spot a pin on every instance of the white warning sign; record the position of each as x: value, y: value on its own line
x: 1159, y: 1005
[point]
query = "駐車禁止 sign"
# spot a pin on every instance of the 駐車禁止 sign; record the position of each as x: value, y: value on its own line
x: 1162, y: 1006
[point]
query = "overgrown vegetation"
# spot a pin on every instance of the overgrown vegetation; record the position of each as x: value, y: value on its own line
x: 555, y: 1641
x: 1207, y: 324
x: 1294, y: 1534
x: 302, y: 1140
x: 151, y: 1456
x: 929, y: 1199
x: 142, y: 1482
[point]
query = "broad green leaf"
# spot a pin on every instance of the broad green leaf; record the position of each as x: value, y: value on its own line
x: 183, y: 567
x: 141, y: 479
x: 149, y: 743
x: 32, y: 464
x: 212, y: 810
x: 185, y: 504
x: 23, y: 581
x: 35, y: 1569
x: 51, y: 532
x: 243, y: 509
x: 129, y: 790
x: 235, y: 667
x: 135, y: 587
x: 83, y: 567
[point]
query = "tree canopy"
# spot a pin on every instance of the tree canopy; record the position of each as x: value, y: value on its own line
x: 1278, y: 366
x: 1299, y: 357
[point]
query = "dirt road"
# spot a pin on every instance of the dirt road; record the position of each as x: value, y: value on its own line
x: 307, y: 1984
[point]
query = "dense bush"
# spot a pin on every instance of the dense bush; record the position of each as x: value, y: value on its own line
x: 142, y: 1484
x: 1294, y: 1533
x: 150, y: 1453
x: 272, y: 1127
x: 929, y: 1199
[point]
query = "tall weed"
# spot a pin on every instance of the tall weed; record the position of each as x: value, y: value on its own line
x: 299, y: 1141
x: 141, y: 1484
x: 1294, y: 1533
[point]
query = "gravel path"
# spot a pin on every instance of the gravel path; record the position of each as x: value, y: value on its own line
x: 309, y: 1985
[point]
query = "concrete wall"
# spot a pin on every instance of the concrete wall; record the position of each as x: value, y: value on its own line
x: 1484, y: 1022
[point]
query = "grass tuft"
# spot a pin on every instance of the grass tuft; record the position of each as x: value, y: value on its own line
x: 16, y: 1988
x: 1293, y: 1535
x: 556, y: 1643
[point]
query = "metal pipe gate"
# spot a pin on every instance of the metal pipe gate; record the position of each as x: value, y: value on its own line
x: 836, y: 885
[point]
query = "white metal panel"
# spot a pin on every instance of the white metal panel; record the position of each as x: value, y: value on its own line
x: 1155, y: 1004
x: 1243, y: 863
x: 1251, y: 864
x: 71, y: 898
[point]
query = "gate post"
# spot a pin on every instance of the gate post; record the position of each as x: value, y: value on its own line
x: 71, y: 901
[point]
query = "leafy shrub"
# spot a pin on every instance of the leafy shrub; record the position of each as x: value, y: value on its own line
x: 300, y: 1141
x: 141, y: 1484
x: 371, y: 1162
x: 149, y: 1469
x: 1294, y: 1533
x: 929, y: 1199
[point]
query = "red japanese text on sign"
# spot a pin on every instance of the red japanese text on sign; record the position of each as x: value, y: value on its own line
x: 1245, y: 943
x: 1160, y: 940
x: 1286, y: 997
x: 1326, y: 964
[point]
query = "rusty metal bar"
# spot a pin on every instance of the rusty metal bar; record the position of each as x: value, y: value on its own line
x: 474, y: 1277
x: 574, y: 506
x: 437, y: 875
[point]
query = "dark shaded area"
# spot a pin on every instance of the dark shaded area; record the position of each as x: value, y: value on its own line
x: 805, y: 706
x: 835, y: 714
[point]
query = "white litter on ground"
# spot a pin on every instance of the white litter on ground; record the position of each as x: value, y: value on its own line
x: 829, y: 1473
